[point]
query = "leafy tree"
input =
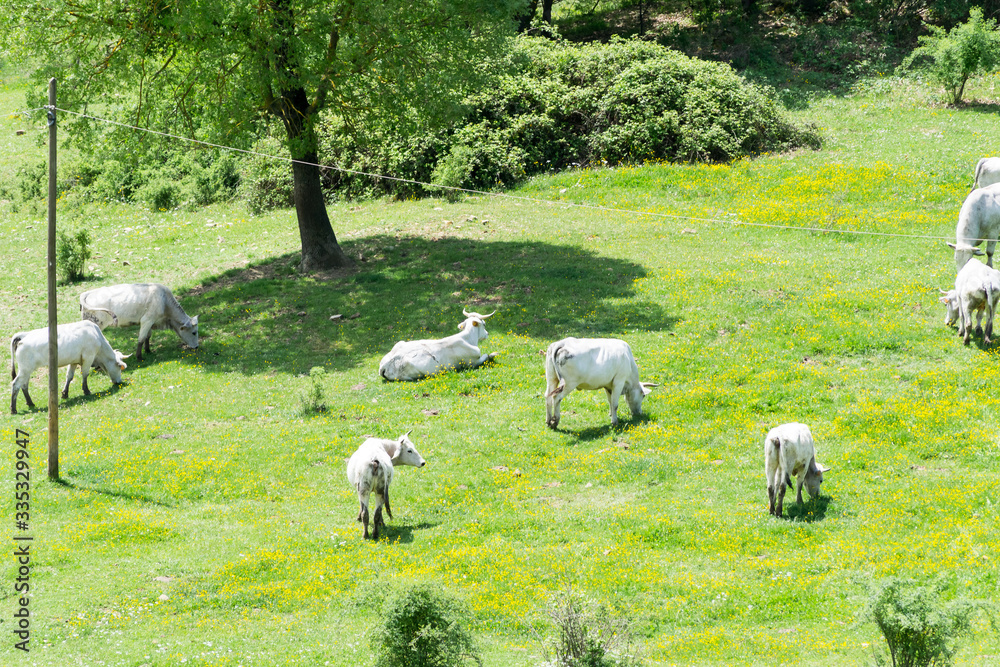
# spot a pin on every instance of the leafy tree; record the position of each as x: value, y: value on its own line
x: 215, y: 69
x: 951, y: 57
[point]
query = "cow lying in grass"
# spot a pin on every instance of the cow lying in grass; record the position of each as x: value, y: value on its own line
x: 415, y: 359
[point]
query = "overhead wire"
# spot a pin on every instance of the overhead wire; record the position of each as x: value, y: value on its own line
x: 497, y: 195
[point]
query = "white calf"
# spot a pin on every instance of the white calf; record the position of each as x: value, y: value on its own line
x: 370, y: 471
x: 592, y: 363
x: 789, y: 451
x: 79, y: 344
x: 977, y: 288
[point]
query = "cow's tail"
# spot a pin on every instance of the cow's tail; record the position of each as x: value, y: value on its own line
x: 979, y: 171
x: 90, y: 314
x: 552, y: 360
x: 15, y: 342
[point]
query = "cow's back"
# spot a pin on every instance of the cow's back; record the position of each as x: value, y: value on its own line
x: 979, y: 217
x: 130, y: 303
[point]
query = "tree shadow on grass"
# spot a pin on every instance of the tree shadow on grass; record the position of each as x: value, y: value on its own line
x: 267, y: 318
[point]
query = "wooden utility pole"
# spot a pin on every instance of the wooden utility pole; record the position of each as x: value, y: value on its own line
x: 53, y: 320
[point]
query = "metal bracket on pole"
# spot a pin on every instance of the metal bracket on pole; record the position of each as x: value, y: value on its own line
x: 51, y: 116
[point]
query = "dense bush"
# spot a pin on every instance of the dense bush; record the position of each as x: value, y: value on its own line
x: 920, y: 629
x: 422, y: 628
x: 158, y: 172
x: 562, y: 105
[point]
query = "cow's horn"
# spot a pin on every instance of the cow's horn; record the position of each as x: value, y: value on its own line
x: 490, y: 315
x: 408, y: 433
x: 649, y: 384
x: 465, y: 312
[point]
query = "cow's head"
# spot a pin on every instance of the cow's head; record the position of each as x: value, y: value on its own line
x: 963, y: 253
x: 950, y: 299
x: 814, y: 477
x: 475, y: 323
x: 188, y: 331
x: 634, y: 396
x: 408, y: 454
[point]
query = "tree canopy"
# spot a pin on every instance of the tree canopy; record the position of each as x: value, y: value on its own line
x: 215, y: 69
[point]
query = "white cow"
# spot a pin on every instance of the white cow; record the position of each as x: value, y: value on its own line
x: 987, y: 172
x: 150, y: 306
x: 977, y: 288
x: 370, y: 469
x: 978, y: 221
x: 79, y: 344
x: 415, y: 359
x: 592, y: 363
x: 789, y: 451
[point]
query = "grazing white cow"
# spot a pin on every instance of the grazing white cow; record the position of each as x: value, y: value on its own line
x: 592, y: 363
x: 978, y: 221
x: 977, y: 288
x: 370, y: 469
x: 987, y: 172
x: 789, y: 451
x: 151, y: 306
x: 415, y: 359
x: 79, y: 344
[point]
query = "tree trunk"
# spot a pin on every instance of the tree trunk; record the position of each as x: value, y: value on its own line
x: 320, y: 249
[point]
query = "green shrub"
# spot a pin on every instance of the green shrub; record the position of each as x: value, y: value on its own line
x: 951, y: 57
x: 561, y: 105
x: 32, y: 181
x: 315, y: 400
x: 72, y: 253
x: 587, y: 635
x: 919, y: 629
x: 421, y: 628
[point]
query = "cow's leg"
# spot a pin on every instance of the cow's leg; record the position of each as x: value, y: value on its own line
x: 85, y: 369
x: 27, y: 398
x: 613, y: 395
x: 770, y: 499
x: 378, y: 523
x: 69, y: 378
x: 966, y: 331
x: 781, y: 498
x: 481, y: 360
x: 13, y: 397
x: 990, y: 246
x: 798, y: 495
x: 364, y: 519
x: 552, y: 402
x: 145, y: 331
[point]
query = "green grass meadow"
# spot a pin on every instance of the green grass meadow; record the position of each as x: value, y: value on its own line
x: 203, y: 517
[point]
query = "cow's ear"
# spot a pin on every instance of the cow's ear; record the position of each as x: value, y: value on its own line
x: 475, y: 323
x: 461, y: 326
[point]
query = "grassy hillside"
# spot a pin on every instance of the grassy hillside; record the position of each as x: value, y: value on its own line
x: 204, y: 517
